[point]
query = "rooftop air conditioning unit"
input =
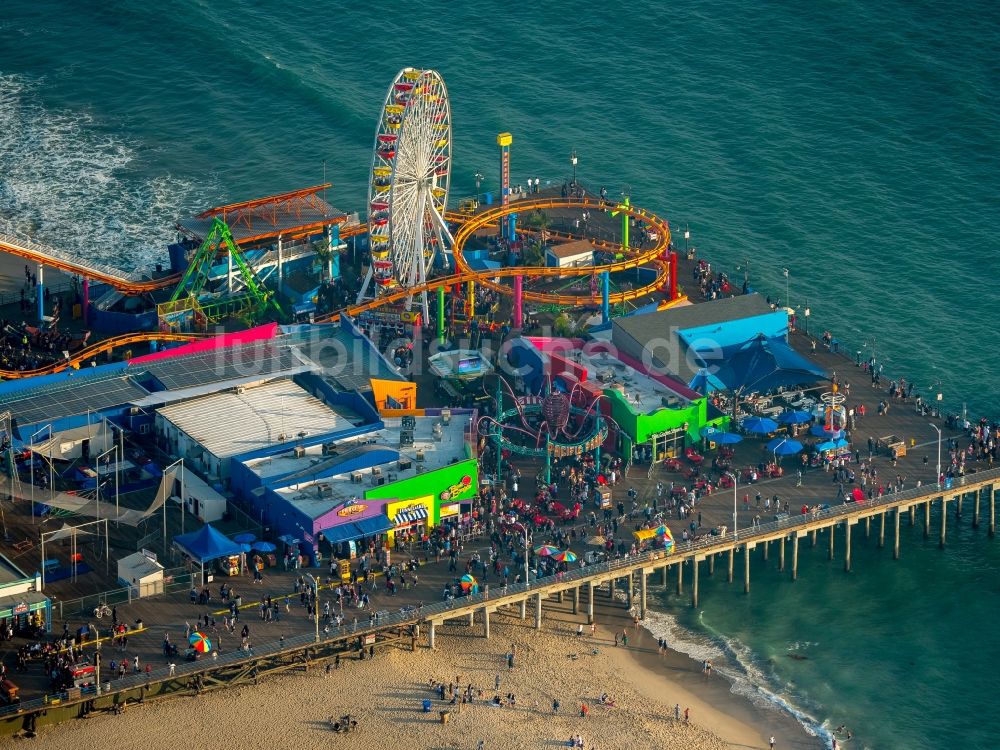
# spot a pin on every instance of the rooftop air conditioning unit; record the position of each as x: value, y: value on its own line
x: 376, y: 471
x: 135, y: 411
x: 300, y: 451
x: 240, y: 389
x: 329, y: 449
x: 377, y: 480
x: 324, y: 490
x: 403, y: 464
x: 357, y: 477
x: 420, y: 455
x: 446, y: 416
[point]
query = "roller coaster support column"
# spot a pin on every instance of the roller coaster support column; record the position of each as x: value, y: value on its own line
x: 471, y: 293
x: 673, y: 274
x: 440, y: 320
x: 605, y: 294
x: 518, y: 302
x: 86, y: 298
x: 506, y: 223
x: 548, y: 461
x: 40, y: 292
x: 597, y: 450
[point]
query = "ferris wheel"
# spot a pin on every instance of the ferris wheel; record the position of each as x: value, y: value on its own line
x: 408, y: 185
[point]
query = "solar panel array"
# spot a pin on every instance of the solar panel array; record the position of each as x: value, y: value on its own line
x: 222, y: 364
x: 359, y: 365
x: 76, y: 398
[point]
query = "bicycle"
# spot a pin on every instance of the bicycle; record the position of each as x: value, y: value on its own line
x: 102, y: 610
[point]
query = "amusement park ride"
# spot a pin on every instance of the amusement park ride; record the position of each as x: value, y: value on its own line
x: 408, y: 186
x: 408, y: 231
x: 553, y: 425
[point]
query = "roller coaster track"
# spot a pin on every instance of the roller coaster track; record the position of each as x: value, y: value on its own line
x: 98, y: 348
x: 470, y: 224
x: 127, y: 283
x: 648, y: 256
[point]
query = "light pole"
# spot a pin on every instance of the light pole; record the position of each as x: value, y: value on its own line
x: 732, y: 475
x: 938, y: 478
x: 31, y: 457
x: 687, y: 236
x: 806, y: 314
x: 572, y: 160
x: 479, y: 181
x: 315, y: 585
x: 113, y: 449
x: 785, y: 272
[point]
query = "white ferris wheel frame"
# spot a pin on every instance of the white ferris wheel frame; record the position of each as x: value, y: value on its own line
x: 417, y: 195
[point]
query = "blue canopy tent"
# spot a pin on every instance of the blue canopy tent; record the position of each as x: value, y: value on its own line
x: 784, y: 446
x: 761, y: 364
x: 205, y: 545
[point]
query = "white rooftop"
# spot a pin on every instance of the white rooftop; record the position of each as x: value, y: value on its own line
x: 642, y: 392
x: 435, y: 445
x: 233, y: 422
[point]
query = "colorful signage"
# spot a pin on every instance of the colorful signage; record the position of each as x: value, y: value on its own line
x: 351, y: 508
x: 458, y: 489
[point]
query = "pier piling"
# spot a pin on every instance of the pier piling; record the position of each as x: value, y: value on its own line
x: 643, y: 591
x: 944, y: 520
x: 975, y: 510
x: 814, y: 537
x: 993, y: 518
x: 913, y: 516
x: 590, y: 602
x: 847, y: 545
x: 524, y: 608
x: 895, y: 542
x: 781, y: 554
x: 832, y: 535
x: 711, y: 565
x: 881, y: 530
x: 486, y: 623
x: 746, y: 568
x: 431, y: 631
x: 958, y: 504
x: 868, y: 527
x: 694, y: 581
x: 538, y: 611
x: 576, y: 599
x: 663, y: 576
x: 732, y: 554
x: 795, y: 556
x: 927, y: 519
x: 680, y: 578
x: 765, y: 551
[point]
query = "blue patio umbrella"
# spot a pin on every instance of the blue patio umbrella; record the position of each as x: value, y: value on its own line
x: 245, y: 538
x: 263, y: 546
x: 794, y: 417
x: 761, y: 425
x: 720, y: 436
x: 244, y: 546
x: 784, y: 446
x: 818, y: 431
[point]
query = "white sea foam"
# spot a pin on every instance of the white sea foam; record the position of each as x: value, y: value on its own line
x: 737, y: 663
x: 65, y: 183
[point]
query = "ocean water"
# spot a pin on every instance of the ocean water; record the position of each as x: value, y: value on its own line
x: 854, y: 144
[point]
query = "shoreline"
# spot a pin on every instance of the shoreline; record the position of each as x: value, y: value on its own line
x: 385, y: 695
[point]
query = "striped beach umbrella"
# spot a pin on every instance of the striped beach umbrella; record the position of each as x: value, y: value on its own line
x: 200, y: 642
x: 546, y: 550
x: 565, y: 556
x: 467, y: 582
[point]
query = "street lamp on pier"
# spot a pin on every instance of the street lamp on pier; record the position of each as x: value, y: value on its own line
x: 572, y: 160
x: 732, y: 475
x: 938, y: 478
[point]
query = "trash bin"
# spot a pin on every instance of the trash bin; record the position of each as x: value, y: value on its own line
x: 427, y: 706
x: 488, y: 199
x: 835, y: 345
x: 444, y: 716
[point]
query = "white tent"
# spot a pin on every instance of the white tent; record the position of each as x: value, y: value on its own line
x: 142, y: 573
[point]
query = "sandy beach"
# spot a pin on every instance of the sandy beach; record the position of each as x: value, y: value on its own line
x: 385, y: 695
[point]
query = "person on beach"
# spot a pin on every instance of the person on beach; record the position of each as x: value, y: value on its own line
x: 625, y: 639
x: 687, y: 715
x: 770, y: 743
x: 579, y: 630
x: 677, y: 711
x: 616, y: 640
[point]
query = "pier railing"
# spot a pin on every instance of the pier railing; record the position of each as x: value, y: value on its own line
x: 413, y: 615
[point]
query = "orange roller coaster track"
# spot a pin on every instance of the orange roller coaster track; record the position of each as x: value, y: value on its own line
x: 648, y: 256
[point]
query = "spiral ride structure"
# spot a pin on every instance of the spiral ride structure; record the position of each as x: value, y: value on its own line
x: 408, y: 186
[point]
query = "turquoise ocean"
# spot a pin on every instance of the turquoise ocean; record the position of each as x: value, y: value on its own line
x: 855, y: 144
